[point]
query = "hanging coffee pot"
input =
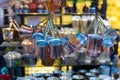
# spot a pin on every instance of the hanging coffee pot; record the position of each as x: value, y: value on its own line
x: 48, y: 61
x: 28, y: 45
x: 81, y: 38
x: 65, y: 40
x: 40, y: 39
x: 40, y: 52
x: 38, y: 36
x: 108, y: 41
x: 109, y: 37
x: 42, y: 43
x: 43, y: 53
x: 111, y: 32
x: 56, y: 51
x: 56, y: 48
x: 72, y: 46
x: 94, y: 46
x: 68, y: 46
x: 55, y: 42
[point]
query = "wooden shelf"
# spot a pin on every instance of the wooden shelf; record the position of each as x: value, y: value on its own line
x: 32, y: 14
x: 81, y: 14
x: 36, y: 14
x: 11, y: 44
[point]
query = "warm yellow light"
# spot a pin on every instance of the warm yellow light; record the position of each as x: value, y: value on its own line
x: 45, y: 69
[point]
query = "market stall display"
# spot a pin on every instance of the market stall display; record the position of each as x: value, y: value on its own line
x: 45, y: 42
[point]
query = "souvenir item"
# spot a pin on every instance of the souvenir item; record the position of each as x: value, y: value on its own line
x: 12, y: 58
x: 94, y: 46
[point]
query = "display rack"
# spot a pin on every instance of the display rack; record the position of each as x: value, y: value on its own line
x: 67, y: 66
x: 36, y: 68
x: 28, y: 70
